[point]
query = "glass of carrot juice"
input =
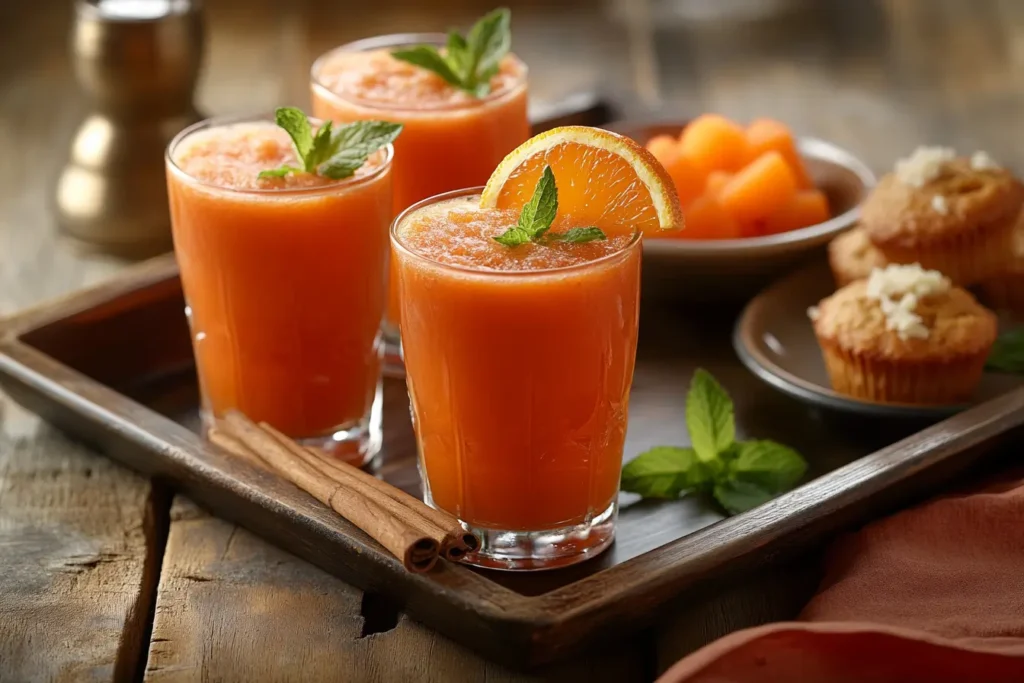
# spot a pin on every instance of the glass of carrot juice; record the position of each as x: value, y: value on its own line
x: 451, y: 139
x: 284, y: 282
x: 519, y: 364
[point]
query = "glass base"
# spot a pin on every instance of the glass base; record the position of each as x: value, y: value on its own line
x: 356, y: 443
x: 540, y: 550
x: 394, y: 364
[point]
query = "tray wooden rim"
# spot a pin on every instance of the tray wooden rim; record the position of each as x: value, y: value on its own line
x: 644, y: 581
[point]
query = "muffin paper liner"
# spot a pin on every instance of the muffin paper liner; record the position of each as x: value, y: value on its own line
x: 967, y: 259
x: 922, y: 382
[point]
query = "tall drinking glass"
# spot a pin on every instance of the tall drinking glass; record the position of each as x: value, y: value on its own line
x: 450, y: 140
x: 284, y: 283
x: 519, y: 364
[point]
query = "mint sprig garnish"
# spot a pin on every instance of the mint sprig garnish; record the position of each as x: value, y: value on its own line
x: 709, y: 416
x: 739, y: 475
x: 537, y: 216
x: 577, y: 235
x: 333, y: 153
x: 468, y: 63
x: 1007, y: 354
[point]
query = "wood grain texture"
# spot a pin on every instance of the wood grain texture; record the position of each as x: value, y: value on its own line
x: 79, y: 536
x: 80, y: 540
x: 233, y: 608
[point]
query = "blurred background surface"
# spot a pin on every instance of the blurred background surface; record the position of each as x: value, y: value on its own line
x: 875, y: 76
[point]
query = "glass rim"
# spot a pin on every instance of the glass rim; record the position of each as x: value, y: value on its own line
x: 217, y: 121
x: 395, y: 40
x: 399, y: 245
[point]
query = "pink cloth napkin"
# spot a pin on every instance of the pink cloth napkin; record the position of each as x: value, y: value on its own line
x: 932, y: 594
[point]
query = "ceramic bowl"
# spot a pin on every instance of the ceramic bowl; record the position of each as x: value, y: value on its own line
x: 710, y: 270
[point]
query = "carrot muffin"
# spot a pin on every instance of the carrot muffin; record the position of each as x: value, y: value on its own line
x: 853, y: 257
x: 904, y: 335
x: 1005, y: 292
x: 947, y: 213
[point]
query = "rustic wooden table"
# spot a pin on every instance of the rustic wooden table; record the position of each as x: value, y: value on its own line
x: 106, y: 576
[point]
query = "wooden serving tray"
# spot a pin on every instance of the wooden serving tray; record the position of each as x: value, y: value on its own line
x: 114, y: 366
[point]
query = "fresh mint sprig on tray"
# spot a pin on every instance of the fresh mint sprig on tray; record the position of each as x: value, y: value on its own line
x: 1007, y: 353
x: 739, y: 475
x: 468, y: 63
x: 333, y: 153
x: 537, y: 216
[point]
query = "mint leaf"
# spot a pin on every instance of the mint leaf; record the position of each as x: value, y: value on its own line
x: 468, y: 63
x: 709, y: 416
x: 740, y: 476
x: 488, y: 42
x: 1007, y: 353
x: 353, y: 143
x: 578, y: 235
x: 457, y: 55
x: 334, y: 153
x: 321, y: 150
x: 342, y: 165
x: 297, y: 126
x: 427, y: 57
x: 665, y: 472
x: 366, y: 136
x: 740, y: 496
x: 756, y: 472
x: 772, y: 466
x: 513, y: 237
x: 536, y: 217
x: 279, y: 172
x: 539, y: 213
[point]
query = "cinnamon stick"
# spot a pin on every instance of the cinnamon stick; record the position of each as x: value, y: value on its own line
x: 234, y: 447
x: 409, y: 542
x: 455, y: 541
x: 405, y: 514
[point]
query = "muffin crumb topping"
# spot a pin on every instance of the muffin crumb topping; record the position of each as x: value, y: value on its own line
x: 940, y: 205
x: 813, y: 313
x: 923, y: 165
x: 898, y: 289
x: 981, y: 161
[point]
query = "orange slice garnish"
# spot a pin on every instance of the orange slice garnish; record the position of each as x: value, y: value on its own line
x: 603, y: 179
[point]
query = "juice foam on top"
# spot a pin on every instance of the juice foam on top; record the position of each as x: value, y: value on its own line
x: 459, y: 233
x: 376, y: 76
x: 232, y: 156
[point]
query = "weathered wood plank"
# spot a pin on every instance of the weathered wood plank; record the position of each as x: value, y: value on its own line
x: 79, y: 536
x: 231, y: 607
x: 80, y: 540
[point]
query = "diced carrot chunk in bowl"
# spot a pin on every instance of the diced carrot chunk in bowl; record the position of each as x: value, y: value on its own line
x: 665, y: 149
x: 760, y: 189
x: 767, y: 135
x: 716, y: 181
x: 714, y: 143
x: 688, y: 179
x: 705, y: 219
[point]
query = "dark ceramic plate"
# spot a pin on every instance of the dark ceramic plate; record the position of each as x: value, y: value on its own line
x: 776, y: 342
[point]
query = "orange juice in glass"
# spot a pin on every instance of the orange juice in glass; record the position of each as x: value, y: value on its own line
x: 451, y: 140
x: 519, y: 363
x: 284, y: 281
